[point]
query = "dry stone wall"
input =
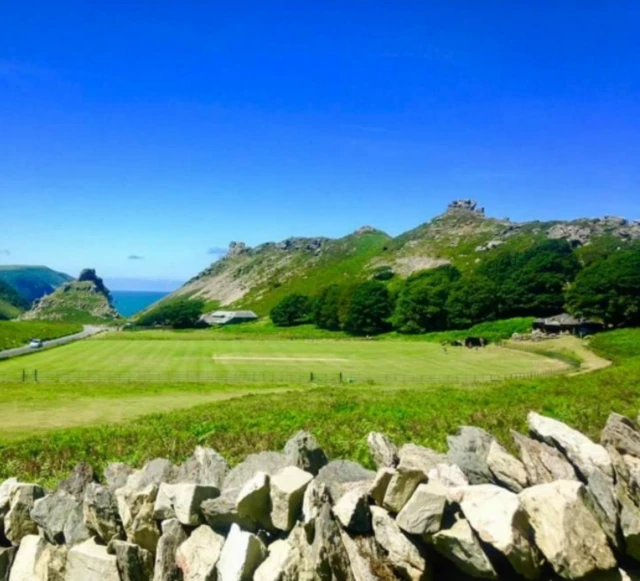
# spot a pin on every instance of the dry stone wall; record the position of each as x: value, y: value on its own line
x: 565, y: 508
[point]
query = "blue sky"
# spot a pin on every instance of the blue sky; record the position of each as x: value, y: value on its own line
x: 161, y: 130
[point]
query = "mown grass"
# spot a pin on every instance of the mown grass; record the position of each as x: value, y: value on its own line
x: 175, y: 358
x: 19, y: 333
x: 341, y: 418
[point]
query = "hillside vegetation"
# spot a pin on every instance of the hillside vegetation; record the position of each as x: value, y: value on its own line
x: 85, y: 300
x: 342, y: 417
x: 32, y: 282
x: 19, y: 333
x: 11, y: 303
x: 464, y: 237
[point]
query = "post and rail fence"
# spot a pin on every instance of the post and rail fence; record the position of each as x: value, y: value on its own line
x: 37, y: 375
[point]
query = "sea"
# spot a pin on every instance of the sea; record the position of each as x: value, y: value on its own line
x: 129, y: 303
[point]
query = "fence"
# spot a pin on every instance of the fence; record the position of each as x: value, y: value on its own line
x: 310, y: 377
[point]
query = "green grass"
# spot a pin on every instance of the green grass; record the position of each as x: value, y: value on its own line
x: 9, y: 311
x: 341, y: 418
x: 199, y: 356
x: 19, y: 333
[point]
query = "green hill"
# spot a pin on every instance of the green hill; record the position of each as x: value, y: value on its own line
x: 32, y: 282
x: 85, y: 300
x: 257, y: 278
x: 11, y: 303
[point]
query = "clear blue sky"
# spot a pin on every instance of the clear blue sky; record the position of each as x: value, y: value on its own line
x: 165, y: 129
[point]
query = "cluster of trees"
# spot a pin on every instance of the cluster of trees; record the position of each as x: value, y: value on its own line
x: 543, y: 280
x: 179, y: 314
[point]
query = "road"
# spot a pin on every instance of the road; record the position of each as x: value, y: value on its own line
x: 88, y: 331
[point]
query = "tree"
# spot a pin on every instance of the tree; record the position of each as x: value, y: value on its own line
x: 369, y: 309
x: 179, y: 314
x: 421, y: 304
x: 609, y: 290
x: 292, y: 310
x: 532, y: 282
x: 326, y: 311
x: 473, y: 299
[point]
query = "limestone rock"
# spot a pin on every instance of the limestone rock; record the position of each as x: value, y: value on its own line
x: 59, y: 517
x: 241, y: 555
x: 383, y: 451
x: 254, y: 500
x: 198, y: 556
x: 339, y: 472
x: 566, y: 531
x: 132, y: 561
x: 100, y: 512
x: 414, y: 457
x: 447, y: 475
x: 287, y: 491
x: 542, y: 462
x: 378, y: 488
x: 497, y: 518
x: 304, y: 452
x: 315, y: 497
x: 622, y: 434
x: 166, y: 568
x: 422, y: 514
x: 460, y: 546
x: 136, y: 512
x: 483, y: 460
x: 24, y: 563
x: 591, y: 461
x: 154, y: 473
x: 627, y: 488
x: 506, y: 469
x: 116, y: 475
x: 327, y: 557
x: 206, y: 467
x: 365, y: 558
x: 17, y: 521
x: 7, y: 555
x: 267, y: 462
x: 51, y: 512
x: 183, y: 501
x: 352, y: 509
x: 75, y: 530
x: 91, y: 562
x: 402, y: 485
x: 5, y: 496
x: 76, y: 483
x: 220, y: 513
x: 282, y: 563
x: 405, y: 557
x: 51, y: 563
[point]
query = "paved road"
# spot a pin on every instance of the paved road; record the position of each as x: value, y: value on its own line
x: 88, y: 331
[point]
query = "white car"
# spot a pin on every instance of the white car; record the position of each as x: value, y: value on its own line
x: 35, y: 344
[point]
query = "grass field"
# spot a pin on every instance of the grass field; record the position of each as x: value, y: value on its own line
x: 161, y: 356
x: 340, y: 417
x: 19, y: 333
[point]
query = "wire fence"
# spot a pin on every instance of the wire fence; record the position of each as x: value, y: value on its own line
x: 207, y: 377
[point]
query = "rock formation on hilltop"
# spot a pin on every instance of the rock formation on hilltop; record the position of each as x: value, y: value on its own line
x: 86, y: 299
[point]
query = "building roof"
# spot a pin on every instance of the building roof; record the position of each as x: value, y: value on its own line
x: 223, y: 317
x: 563, y: 319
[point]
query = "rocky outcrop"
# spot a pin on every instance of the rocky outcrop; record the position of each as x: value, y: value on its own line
x: 85, y: 297
x: 568, y: 508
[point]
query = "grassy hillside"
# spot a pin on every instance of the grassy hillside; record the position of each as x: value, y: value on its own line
x: 257, y: 278
x: 341, y: 417
x: 11, y: 303
x: 32, y: 282
x: 19, y: 333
